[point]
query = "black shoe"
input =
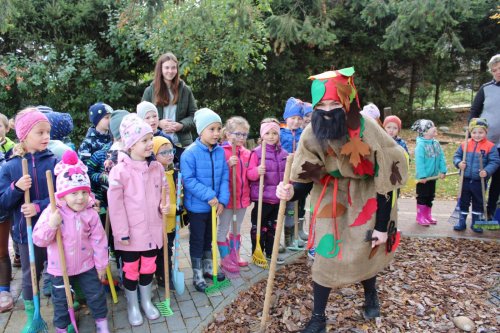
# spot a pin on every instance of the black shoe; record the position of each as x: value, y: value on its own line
x: 317, y: 324
x: 371, y: 308
x: 17, y: 261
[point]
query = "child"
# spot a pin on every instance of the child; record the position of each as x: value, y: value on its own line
x: 289, y: 139
x: 478, y: 147
x: 135, y: 210
x: 84, y: 242
x: 164, y: 152
x: 6, y: 144
x: 97, y: 135
x: 392, y: 125
x: 236, y: 129
x: 33, y: 132
x: 61, y: 125
x: 274, y: 171
x: 206, y: 185
x: 307, y: 110
x: 430, y: 162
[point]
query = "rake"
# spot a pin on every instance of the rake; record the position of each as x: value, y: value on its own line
x: 217, y: 285
x: 258, y: 257
x: 111, y: 283
x: 485, y: 223
x: 276, y: 245
x: 455, y: 216
x: 164, y: 307
x: 38, y: 324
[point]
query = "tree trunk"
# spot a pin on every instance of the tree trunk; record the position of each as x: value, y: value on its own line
x: 413, y: 85
x: 438, y: 85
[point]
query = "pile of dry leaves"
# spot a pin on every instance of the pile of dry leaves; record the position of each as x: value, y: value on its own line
x: 430, y: 282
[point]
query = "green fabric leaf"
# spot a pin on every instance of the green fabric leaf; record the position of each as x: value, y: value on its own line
x: 328, y: 247
x: 318, y: 90
x: 336, y: 174
x: 349, y: 71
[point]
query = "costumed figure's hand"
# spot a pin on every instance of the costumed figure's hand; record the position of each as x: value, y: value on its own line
x: 24, y: 183
x: 101, y: 274
x: 284, y: 192
x: 232, y: 161
x: 29, y: 210
x: 381, y: 238
x: 462, y: 165
x: 55, y: 219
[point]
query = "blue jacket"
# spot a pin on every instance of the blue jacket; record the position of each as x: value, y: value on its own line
x: 429, y: 158
x: 491, y: 161
x: 94, y: 141
x: 4, y: 214
x: 205, y: 175
x: 12, y: 198
x: 287, y: 138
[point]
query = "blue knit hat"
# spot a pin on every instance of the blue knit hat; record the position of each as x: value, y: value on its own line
x: 307, y: 108
x: 115, y: 122
x: 293, y: 107
x: 98, y: 111
x: 61, y: 124
x: 203, y: 118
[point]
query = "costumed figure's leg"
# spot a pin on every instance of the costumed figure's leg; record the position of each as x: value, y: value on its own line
x: 317, y: 323
x: 371, y: 308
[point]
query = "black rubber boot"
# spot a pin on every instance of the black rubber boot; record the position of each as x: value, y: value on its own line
x: 461, y: 224
x: 371, y: 308
x: 317, y: 324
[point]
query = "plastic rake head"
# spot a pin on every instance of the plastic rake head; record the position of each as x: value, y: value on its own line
x: 164, y: 308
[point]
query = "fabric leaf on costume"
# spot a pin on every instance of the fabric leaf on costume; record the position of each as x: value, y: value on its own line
x: 355, y: 149
x: 311, y: 171
x: 395, y: 174
x: 331, y: 152
x: 354, y: 118
x: 366, y: 213
x: 344, y: 92
x: 336, y: 174
x: 328, y: 247
x: 349, y: 71
x: 364, y: 168
x: 326, y: 211
x: 317, y: 91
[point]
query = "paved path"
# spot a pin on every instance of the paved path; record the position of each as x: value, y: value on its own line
x: 194, y: 310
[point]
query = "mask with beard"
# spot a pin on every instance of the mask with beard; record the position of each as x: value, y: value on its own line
x: 329, y: 125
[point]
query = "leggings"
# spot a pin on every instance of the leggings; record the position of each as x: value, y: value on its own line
x: 40, y: 258
x: 138, y: 266
x: 5, y: 265
x: 226, y: 225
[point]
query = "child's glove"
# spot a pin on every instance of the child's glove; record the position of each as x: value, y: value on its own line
x: 55, y: 219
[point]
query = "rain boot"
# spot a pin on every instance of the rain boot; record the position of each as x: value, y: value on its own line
x: 29, y: 309
x: 371, y: 307
x: 302, y: 234
x: 428, y: 216
x: 208, y: 267
x: 147, y: 306
x: 421, y: 215
x: 241, y: 262
x: 133, y: 311
x: 461, y: 224
x: 223, y: 249
x: 475, y: 218
x: 61, y: 330
x: 101, y: 325
x: 288, y: 236
x: 198, y: 281
x: 317, y: 324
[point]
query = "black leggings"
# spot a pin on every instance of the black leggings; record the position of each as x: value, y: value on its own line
x: 138, y: 266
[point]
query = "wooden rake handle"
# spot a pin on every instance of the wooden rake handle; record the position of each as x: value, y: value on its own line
x: 276, y: 245
x: 165, y: 243
x: 261, y: 188
x: 464, y: 153
x: 60, y: 248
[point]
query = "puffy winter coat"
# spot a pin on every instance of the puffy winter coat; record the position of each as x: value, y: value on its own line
x: 205, y: 176
x: 242, y: 184
x: 84, y: 241
x: 11, y: 198
x: 491, y: 160
x: 134, y: 198
x: 429, y: 158
x: 275, y: 171
x: 288, y: 137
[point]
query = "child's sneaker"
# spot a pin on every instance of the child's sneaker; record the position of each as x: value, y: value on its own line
x: 280, y: 260
x: 311, y: 253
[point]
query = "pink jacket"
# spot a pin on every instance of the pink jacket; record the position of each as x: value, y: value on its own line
x: 242, y: 186
x: 134, y: 198
x: 84, y: 241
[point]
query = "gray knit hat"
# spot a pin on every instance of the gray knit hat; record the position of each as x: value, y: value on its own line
x: 115, y: 121
x: 144, y: 107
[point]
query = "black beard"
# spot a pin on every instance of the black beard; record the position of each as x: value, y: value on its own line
x: 329, y: 125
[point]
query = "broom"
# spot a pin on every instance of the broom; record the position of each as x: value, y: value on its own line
x: 62, y: 258
x: 485, y: 223
x: 38, y: 324
x: 111, y: 283
x: 164, y: 307
x: 455, y: 216
x: 276, y: 245
x: 217, y: 286
x: 258, y: 257
x: 230, y: 262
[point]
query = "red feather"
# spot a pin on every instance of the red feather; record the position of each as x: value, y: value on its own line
x: 366, y: 213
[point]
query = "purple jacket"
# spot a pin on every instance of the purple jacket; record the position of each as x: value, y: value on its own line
x: 275, y: 170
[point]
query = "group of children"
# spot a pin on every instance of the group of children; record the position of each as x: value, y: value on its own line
x: 125, y: 162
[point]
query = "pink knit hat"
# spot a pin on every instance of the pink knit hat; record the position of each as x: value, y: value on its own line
x: 71, y: 175
x: 266, y: 127
x: 393, y: 119
x: 132, y: 129
x: 26, y: 120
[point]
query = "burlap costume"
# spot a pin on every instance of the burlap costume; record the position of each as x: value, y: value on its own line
x: 316, y: 162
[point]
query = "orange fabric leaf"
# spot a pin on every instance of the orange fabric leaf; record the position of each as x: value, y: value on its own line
x: 326, y: 211
x: 356, y: 149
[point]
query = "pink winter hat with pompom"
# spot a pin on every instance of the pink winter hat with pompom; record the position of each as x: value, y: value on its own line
x: 71, y: 175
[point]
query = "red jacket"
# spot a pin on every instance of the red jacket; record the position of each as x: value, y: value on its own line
x: 242, y: 185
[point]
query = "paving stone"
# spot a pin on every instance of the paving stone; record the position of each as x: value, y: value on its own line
x: 120, y: 319
x: 188, y: 310
x: 175, y: 322
x: 205, y: 311
x: 159, y: 327
x: 191, y: 323
x: 200, y: 299
x: 216, y: 300
x: 144, y: 328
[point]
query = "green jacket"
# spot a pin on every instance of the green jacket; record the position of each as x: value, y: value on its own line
x: 7, y: 145
x: 186, y: 107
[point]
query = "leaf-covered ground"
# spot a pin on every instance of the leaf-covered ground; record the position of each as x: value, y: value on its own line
x: 430, y: 282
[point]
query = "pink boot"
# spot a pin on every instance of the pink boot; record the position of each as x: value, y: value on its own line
x: 428, y: 215
x: 101, y: 325
x: 421, y: 215
x: 61, y: 330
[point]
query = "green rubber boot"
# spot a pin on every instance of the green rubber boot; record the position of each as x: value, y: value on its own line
x: 29, y: 309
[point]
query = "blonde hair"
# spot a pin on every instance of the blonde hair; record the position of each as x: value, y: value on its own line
x: 5, y: 121
x: 270, y: 120
x: 234, y: 122
x: 20, y: 148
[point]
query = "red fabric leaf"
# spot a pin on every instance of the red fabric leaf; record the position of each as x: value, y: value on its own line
x: 366, y: 213
x: 365, y: 167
